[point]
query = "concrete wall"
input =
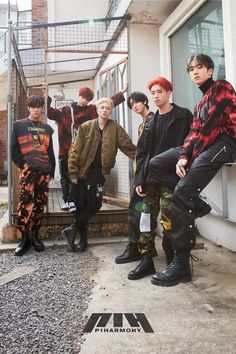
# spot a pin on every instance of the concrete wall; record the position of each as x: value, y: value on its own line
x: 144, y: 62
x: 229, y: 10
x: 61, y: 10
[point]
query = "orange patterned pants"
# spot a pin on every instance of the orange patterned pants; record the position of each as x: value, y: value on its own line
x: 33, y: 188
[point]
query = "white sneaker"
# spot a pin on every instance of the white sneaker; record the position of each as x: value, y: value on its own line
x: 66, y: 207
x: 72, y: 207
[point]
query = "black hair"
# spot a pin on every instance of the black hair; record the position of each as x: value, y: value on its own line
x: 202, y: 59
x: 137, y: 97
x: 35, y: 101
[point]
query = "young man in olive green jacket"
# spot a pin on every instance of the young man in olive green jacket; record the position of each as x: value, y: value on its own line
x: 91, y: 157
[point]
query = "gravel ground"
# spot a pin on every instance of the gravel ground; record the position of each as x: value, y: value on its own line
x: 42, y: 312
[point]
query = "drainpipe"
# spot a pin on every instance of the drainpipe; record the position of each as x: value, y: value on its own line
x: 9, y: 122
x: 130, y: 132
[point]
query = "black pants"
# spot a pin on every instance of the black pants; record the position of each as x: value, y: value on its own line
x: 65, y: 179
x: 87, y: 203
x: 187, y: 189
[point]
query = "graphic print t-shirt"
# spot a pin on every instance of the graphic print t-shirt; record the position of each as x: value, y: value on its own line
x: 32, y: 144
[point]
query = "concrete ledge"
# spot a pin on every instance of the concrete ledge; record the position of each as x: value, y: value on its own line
x: 7, y: 247
x: 65, y: 218
x: 112, y: 222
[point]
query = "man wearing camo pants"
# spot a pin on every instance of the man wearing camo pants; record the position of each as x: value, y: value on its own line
x: 168, y: 128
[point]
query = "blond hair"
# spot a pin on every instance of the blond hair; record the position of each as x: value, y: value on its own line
x: 105, y: 100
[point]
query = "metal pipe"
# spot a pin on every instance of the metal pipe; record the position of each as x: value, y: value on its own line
x: 130, y: 132
x: 46, y: 87
x: 61, y: 73
x: 62, y: 61
x: 59, y: 82
x: 88, y: 51
x: 79, y: 22
x: 9, y: 122
x: 9, y: 10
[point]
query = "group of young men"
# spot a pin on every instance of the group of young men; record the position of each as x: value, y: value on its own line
x: 177, y: 155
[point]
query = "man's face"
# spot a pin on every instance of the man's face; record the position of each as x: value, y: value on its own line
x: 104, y: 110
x: 159, y: 95
x: 35, y: 112
x: 137, y: 107
x: 82, y: 101
x: 199, y: 73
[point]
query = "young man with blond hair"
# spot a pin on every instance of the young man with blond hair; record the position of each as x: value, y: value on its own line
x: 91, y: 158
x: 68, y: 119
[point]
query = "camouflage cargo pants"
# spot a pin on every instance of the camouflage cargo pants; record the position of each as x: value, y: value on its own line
x: 157, y: 199
x: 134, y: 213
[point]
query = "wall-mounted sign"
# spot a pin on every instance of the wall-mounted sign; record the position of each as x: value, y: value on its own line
x: 59, y: 104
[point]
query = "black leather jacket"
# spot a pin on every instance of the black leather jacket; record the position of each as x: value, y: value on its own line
x: 175, y: 134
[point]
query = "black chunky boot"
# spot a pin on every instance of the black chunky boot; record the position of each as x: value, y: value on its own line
x: 24, y: 245
x: 37, y: 244
x: 69, y: 235
x: 168, y: 247
x: 144, y: 268
x: 178, y: 271
x: 83, y: 242
x: 130, y: 254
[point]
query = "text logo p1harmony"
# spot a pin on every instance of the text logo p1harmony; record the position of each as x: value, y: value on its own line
x: 118, y: 323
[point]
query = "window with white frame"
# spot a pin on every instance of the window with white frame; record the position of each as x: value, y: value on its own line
x: 202, y: 33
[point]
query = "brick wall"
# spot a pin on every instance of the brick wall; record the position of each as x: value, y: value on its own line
x: 39, y: 14
x: 3, y: 139
x: 39, y: 11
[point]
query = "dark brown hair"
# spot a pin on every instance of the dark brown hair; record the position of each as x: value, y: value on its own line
x: 202, y: 59
x: 35, y: 101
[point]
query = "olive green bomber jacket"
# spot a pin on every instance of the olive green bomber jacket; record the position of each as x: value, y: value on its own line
x: 84, y: 147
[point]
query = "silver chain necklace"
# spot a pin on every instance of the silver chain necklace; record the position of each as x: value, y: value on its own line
x: 36, y: 136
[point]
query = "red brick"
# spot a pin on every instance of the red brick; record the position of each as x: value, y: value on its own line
x: 39, y: 11
x: 10, y: 234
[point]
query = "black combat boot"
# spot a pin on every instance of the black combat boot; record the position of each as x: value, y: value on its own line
x: 83, y: 242
x: 37, y: 244
x: 24, y: 245
x: 69, y: 235
x: 130, y: 254
x: 168, y: 247
x: 178, y: 271
x: 201, y: 208
x: 144, y: 268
